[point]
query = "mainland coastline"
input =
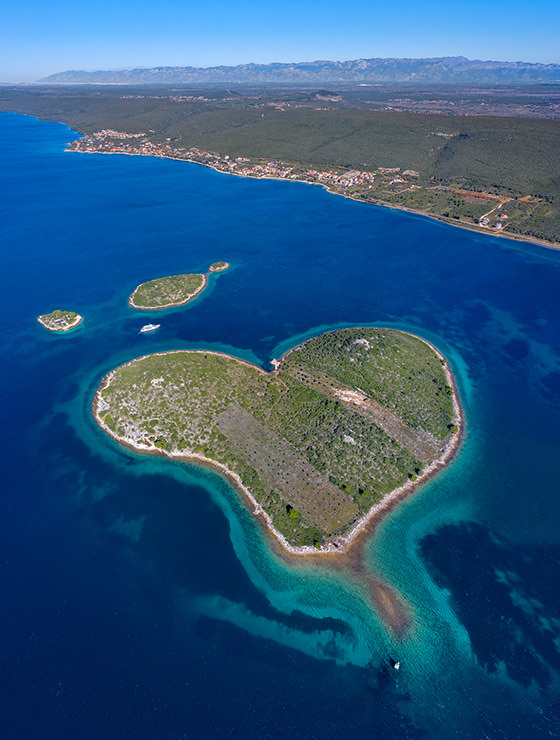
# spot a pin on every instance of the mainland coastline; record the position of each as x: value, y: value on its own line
x: 343, y: 543
x: 94, y: 144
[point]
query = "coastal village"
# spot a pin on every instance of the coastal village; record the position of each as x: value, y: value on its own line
x: 389, y: 186
x: 117, y: 142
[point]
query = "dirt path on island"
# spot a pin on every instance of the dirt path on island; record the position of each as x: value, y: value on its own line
x: 419, y: 443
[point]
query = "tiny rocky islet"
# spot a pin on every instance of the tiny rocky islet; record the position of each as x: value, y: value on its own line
x: 60, y: 320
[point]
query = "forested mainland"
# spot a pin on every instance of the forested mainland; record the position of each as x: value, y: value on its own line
x: 481, y: 157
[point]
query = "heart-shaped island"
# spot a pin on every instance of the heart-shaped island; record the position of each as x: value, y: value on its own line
x: 346, y: 423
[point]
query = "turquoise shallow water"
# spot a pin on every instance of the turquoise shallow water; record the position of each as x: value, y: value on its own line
x: 140, y: 596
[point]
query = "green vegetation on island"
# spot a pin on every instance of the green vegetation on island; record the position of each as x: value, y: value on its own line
x: 59, y: 320
x: 173, y: 290
x: 343, y: 421
x: 218, y: 267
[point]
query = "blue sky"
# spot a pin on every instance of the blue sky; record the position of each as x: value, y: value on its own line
x: 39, y: 37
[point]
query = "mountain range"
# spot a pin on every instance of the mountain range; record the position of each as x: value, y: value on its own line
x: 430, y: 70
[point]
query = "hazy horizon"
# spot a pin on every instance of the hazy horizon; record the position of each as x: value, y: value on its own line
x: 103, y: 36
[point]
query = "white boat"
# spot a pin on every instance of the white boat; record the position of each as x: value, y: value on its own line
x: 149, y: 327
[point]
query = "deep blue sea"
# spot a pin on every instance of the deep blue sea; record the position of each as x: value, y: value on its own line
x: 139, y: 598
